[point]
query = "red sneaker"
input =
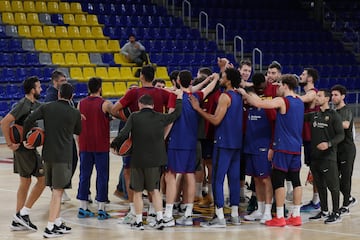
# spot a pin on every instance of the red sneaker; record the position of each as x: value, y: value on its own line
x: 294, y: 221
x: 276, y: 222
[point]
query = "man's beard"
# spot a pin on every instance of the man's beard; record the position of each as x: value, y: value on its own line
x: 37, y: 96
x: 302, y: 84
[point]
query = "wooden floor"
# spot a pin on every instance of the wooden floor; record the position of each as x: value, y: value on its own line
x: 111, y: 229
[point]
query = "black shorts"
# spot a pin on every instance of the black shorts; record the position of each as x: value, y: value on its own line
x: 28, y: 163
x: 58, y: 175
x: 145, y: 178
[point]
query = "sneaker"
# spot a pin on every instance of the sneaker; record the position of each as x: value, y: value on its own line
x: 63, y: 228
x: 320, y: 216
x: 65, y: 197
x: 52, y: 233
x: 214, y: 223
x: 353, y: 202
x: 253, y: 205
x: 185, y: 221
x: 235, y: 220
x: 344, y: 211
x: 168, y: 222
x: 294, y: 221
x: 265, y: 217
x: 85, y: 213
x: 206, y: 202
x: 311, y: 206
x: 25, y: 221
x: 102, y: 215
x: 159, y: 224
x: 289, y: 196
x: 129, y: 218
x: 15, y: 226
x: 137, y: 226
x: 276, y: 222
x: 256, y: 215
x: 333, y: 218
x: 151, y: 219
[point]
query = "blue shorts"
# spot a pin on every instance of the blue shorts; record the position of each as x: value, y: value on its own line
x: 286, y: 162
x: 126, y: 161
x: 207, y: 148
x: 258, y: 165
x: 181, y: 161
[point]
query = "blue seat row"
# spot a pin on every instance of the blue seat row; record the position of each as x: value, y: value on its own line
x: 142, y: 9
x: 19, y: 59
x: 10, y: 45
x: 19, y: 74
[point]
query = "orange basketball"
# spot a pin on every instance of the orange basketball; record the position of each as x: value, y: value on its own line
x: 126, y: 147
x: 16, y: 133
x: 124, y: 114
x: 35, y: 137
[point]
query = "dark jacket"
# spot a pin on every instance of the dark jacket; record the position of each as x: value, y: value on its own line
x: 147, y: 132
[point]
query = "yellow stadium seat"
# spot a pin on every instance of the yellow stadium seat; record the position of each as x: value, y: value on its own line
x: 75, y: 7
x: 76, y: 73
x: 108, y: 89
x: 61, y: 32
x: 88, y: 72
x: 58, y: 59
x: 17, y: 6
x: 5, y: 6
x: 53, y: 45
x: 66, y: 45
x: 92, y: 20
x: 37, y: 32
x: 90, y: 45
x: 78, y: 45
x: 83, y: 59
x: 114, y: 73
x: 97, y: 32
x: 120, y: 88
x: 85, y: 32
x: 161, y: 72
x: 24, y: 31
x: 126, y: 74
x: 8, y: 18
x: 29, y: 6
x: 33, y: 18
x: 40, y: 6
x: 102, y: 73
x: 71, y: 59
x: 120, y: 59
x: 80, y: 19
x: 101, y: 45
x: 53, y: 7
x: 73, y: 32
x: 20, y: 18
x: 168, y: 84
x: 113, y: 45
x: 64, y: 7
x: 49, y: 31
x: 69, y: 19
x: 41, y: 45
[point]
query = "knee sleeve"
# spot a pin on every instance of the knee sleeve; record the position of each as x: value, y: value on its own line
x: 278, y: 178
x: 294, y: 177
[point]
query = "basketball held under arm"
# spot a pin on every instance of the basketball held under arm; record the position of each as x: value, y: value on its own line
x: 115, y: 109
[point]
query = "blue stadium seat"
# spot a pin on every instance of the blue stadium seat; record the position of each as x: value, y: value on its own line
x: 81, y: 90
x: 47, y: 71
x: 14, y: 91
x: 3, y: 32
x: 57, y: 19
x: 35, y: 71
x: 4, y: 105
x: 108, y: 58
x: 15, y: 45
x: 6, y: 60
x: 4, y: 46
x: 21, y: 74
x: 20, y: 60
x: 32, y: 59
x: 8, y: 75
x: 104, y: 19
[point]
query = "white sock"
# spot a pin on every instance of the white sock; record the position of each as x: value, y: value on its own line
x: 316, y: 198
x: 289, y: 186
x: 58, y: 222
x: 132, y: 208
x: 234, y: 211
x: 219, y: 213
x: 84, y: 204
x: 296, y: 210
x: 267, y: 210
x: 279, y: 212
x: 24, y: 211
x: 261, y: 207
x: 151, y: 209
x: 138, y: 218
x: 169, y: 210
x: 198, y: 189
x: 50, y: 225
x: 189, y: 208
x: 242, y: 192
x: 101, y: 206
x: 159, y: 215
x: 210, y: 192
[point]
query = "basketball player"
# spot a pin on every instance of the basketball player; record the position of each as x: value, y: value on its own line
x: 27, y: 162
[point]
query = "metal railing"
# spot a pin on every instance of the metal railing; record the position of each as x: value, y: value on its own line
x: 219, y: 25
x: 257, y: 50
x: 185, y: 2
x: 241, y: 47
x: 202, y: 13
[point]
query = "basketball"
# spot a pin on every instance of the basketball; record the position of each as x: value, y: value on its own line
x: 16, y: 133
x: 126, y: 147
x: 35, y: 137
x: 124, y: 114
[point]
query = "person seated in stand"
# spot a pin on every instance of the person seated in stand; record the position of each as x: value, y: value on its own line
x: 134, y: 51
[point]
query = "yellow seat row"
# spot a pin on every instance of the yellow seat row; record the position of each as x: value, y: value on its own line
x: 40, y: 6
x: 20, y: 18
x: 106, y: 73
x: 80, y: 19
x: 83, y: 32
x: 116, y: 89
x: 71, y: 59
x: 77, y: 45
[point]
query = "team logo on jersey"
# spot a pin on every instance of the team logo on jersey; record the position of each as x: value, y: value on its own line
x: 327, y: 118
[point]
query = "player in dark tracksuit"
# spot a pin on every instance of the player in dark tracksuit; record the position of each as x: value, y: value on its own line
x: 327, y: 133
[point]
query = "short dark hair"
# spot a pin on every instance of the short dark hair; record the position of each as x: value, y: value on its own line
x: 29, y: 84
x: 148, y: 72
x: 275, y: 64
x: 155, y: 81
x: 326, y: 91
x: 234, y: 76
x: 342, y: 89
x: 290, y: 80
x: 245, y: 62
x: 258, y: 78
x: 198, y: 80
x: 56, y: 74
x: 146, y: 99
x: 66, y: 91
x: 94, y: 84
x: 185, y: 77
x: 313, y: 73
x: 174, y: 74
x: 132, y: 35
x: 205, y: 71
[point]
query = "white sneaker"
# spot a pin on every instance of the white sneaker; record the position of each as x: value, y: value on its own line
x: 65, y: 197
x: 265, y: 218
x: 235, y: 220
x: 185, y: 221
x: 168, y: 222
x: 129, y: 218
x: 255, y: 215
x: 151, y: 219
x: 214, y: 223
